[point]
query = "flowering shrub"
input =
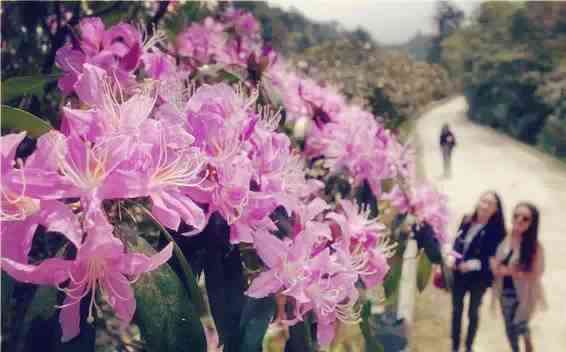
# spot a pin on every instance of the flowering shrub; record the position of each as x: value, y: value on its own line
x: 190, y: 133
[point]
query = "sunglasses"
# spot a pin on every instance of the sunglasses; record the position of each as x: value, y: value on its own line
x: 521, y: 218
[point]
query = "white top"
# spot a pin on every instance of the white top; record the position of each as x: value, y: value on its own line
x: 473, y: 264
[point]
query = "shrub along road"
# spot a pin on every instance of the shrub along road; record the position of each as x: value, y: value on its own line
x: 483, y: 160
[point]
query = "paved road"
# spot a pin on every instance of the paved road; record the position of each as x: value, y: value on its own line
x: 484, y: 160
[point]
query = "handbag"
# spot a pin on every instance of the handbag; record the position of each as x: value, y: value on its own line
x: 442, y: 278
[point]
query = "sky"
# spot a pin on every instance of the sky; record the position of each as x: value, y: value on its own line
x: 389, y: 21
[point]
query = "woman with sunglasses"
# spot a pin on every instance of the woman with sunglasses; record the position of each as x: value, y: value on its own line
x: 477, y: 240
x: 518, y: 267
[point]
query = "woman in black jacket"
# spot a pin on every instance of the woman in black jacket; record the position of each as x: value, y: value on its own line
x: 447, y: 143
x: 478, y: 237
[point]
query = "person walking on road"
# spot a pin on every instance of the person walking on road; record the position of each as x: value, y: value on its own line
x: 518, y: 267
x: 478, y: 237
x: 447, y: 143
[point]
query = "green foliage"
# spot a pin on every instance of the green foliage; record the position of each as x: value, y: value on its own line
x: 371, y: 343
x: 184, y: 271
x: 300, y: 338
x: 510, y: 64
x: 256, y: 316
x: 15, y: 87
x: 424, y: 271
x: 167, y: 318
x: 39, y: 329
x: 448, y: 19
x: 391, y: 283
x: 13, y: 118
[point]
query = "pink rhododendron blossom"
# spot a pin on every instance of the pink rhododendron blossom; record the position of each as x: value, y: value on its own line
x: 117, y: 50
x: 201, y: 43
x: 101, y: 265
x: 159, y: 126
x: 426, y: 204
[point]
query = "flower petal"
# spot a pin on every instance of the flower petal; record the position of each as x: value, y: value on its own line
x: 120, y: 296
x: 51, y: 271
x: 69, y: 318
x: 265, y: 284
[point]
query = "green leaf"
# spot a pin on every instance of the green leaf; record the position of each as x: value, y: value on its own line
x: 225, y: 283
x: 15, y: 118
x: 424, y: 271
x: 19, y: 86
x: 300, y: 339
x: 389, y: 331
x: 187, y: 276
x: 41, y: 330
x: 7, y: 290
x: 39, y: 325
x: 372, y: 345
x: 391, y: 283
x: 256, y: 316
x: 167, y: 318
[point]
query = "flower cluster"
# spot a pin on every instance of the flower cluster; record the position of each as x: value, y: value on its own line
x: 147, y: 127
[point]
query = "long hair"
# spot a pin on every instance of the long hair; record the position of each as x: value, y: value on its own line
x: 445, y: 129
x: 529, y: 240
x: 496, y: 222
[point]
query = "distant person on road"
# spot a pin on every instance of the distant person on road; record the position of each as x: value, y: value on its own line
x: 447, y: 143
x: 518, y: 267
x: 478, y: 237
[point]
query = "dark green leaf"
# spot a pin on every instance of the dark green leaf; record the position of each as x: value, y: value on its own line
x: 300, y: 338
x: 391, y: 283
x: 7, y: 290
x: 40, y: 324
x: 167, y: 318
x: 225, y: 285
x: 424, y: 271
x: 41, y: 330
x: 256, y: 316
x: 180, y: 264
x: 389, y: 331
x: 372, y: 345
x: 19, y: 86
x: 15, y: 118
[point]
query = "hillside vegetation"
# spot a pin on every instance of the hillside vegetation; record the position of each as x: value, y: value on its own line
x: 511, y: 64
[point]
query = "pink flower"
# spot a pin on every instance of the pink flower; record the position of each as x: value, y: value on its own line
x: 426, y: 204
x: 101, y: 264
x: 286, y: 263
x: 244, y: 23
x: 362, y: 247
x: 21, y: 213
x: 255, y: 219
x: 117, y: 50
x: 158, y: 65
x: 163, y: 168
x: 78, y: 169
x: 331, y: 298
x: 201, y: 42
x: 107, y: 114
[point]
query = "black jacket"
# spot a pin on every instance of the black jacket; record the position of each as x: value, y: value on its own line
x: 483, y: 247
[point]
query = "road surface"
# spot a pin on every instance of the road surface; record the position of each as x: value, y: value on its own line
x: 486, y: 160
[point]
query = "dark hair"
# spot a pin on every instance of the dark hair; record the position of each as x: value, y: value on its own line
x: 445, y: 129
x: 529, y: 240
x: 496, y: 222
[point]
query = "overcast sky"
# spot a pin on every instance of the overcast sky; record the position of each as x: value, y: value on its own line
x: 389, y: 21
